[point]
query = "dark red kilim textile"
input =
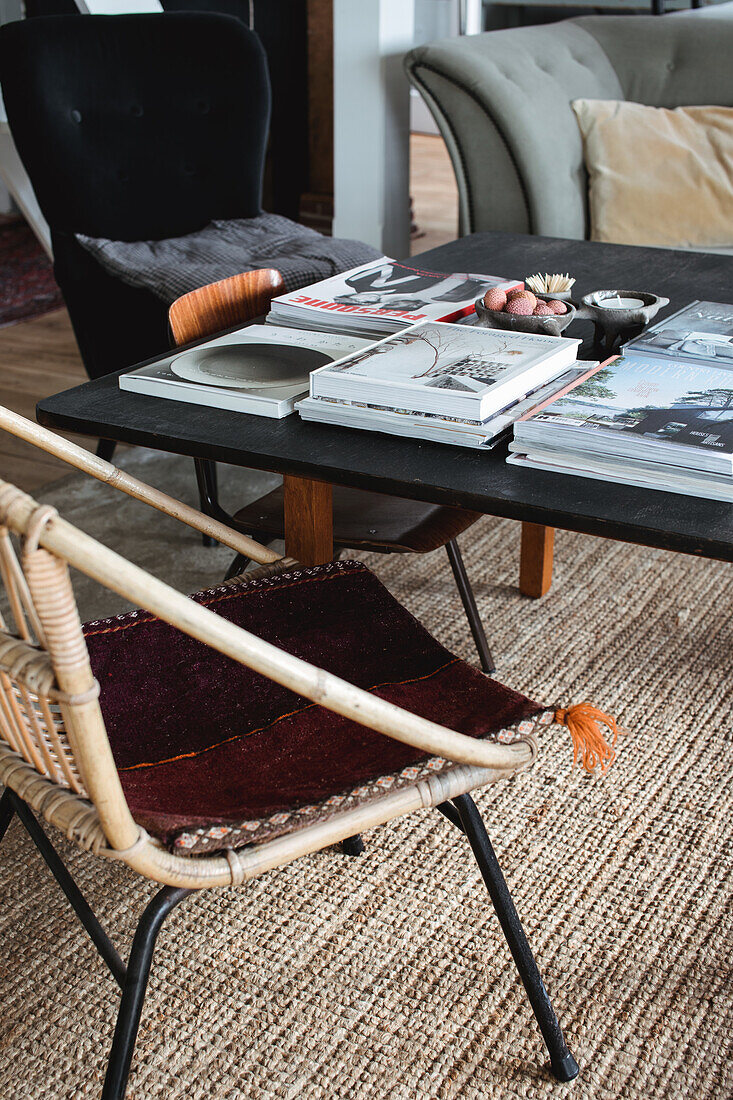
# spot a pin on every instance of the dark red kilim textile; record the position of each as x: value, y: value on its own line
x: 207, y: 750
x: 27, y: 286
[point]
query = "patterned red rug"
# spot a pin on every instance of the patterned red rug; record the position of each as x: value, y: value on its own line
x: 27, y: 286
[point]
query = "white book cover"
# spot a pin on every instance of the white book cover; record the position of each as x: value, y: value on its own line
x: 260, y: 369
x: 452, y: 370
x: 387, y: 292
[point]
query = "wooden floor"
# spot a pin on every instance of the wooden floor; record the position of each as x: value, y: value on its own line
x: 40, y: 357
x: 434, y: 192
x: 37, y: 358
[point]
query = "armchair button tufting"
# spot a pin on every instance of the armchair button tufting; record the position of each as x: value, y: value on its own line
x: 671, y: 66
x: 188, y: 169
x: 75, y: 115
x: 202, y: 107
x: 136, y: 110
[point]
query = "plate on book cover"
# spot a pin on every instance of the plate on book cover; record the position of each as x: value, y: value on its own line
x: 252, y: 366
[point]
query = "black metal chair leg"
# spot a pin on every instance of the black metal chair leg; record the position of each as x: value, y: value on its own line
x: 74, y: 896
x: 6, y: 813
x: 564, y: 1066
x: 106, y: 449
x: 469, y: 606
x: 353, y: 845
x: 133, y: 994
x: 208, y: 487
x: 238, y: 565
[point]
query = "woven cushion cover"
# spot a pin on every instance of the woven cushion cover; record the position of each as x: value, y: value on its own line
x: 212, y: 755
x: 173, y: 267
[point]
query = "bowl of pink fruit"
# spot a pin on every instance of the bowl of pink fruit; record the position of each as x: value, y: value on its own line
x: 524, y: 311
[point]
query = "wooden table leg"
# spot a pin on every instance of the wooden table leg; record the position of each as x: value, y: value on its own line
x: 308, y: 520
x: 535, y: 560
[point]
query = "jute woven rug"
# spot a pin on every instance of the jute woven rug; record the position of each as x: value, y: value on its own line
x: 386, y: 976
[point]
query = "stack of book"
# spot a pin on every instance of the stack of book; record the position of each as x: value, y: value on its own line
x: 261, y: 369
x: 382, y: 297
x: 440, y: 381
x: 660, y: 417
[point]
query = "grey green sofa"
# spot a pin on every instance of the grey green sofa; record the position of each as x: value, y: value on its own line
x: 502, y: 103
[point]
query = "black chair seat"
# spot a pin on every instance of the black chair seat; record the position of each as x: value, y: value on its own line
x: 367, y: 521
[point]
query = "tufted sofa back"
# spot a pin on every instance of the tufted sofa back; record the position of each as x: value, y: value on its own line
x: 137, y: 127
x: 502, y: 102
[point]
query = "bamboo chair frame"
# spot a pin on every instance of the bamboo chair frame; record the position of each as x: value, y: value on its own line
x: 59, y: 673
x: 55, y: 756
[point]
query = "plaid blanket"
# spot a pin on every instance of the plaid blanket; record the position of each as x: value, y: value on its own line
x: 175, y: 266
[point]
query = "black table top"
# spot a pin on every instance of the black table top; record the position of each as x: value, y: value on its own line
x: 431, y: 471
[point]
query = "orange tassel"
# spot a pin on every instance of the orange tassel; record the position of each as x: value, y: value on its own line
x: 589, y: 743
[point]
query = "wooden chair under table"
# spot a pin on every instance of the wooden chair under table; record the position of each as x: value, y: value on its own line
x: 273, y: 658
x: 361, y: 520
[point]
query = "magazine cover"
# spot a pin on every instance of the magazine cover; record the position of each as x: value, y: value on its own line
x: 702, y: 331
x: 393, y: 290
x: 647, y: 399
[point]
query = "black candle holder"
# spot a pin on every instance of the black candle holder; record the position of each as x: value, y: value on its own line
x: 616, y: 325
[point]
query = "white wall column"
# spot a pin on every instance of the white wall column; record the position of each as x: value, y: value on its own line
x: 372, y: 122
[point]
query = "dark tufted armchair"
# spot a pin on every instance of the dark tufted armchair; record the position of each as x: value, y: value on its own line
x: 133, y: 128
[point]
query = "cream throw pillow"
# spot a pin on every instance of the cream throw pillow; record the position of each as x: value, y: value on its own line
x: 658, y: 176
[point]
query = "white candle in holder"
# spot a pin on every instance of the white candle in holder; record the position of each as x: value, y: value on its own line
x: 615, y: 302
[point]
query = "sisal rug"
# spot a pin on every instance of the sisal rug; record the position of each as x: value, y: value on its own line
x: 386, y: 976
x: 27, y: 286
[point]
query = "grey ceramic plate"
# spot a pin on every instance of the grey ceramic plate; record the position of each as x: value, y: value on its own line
x: 248, y: 366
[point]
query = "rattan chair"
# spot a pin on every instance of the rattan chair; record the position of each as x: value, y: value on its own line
x: 62, y: 754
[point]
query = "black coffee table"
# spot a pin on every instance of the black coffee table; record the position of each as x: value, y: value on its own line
x: 314, y: 456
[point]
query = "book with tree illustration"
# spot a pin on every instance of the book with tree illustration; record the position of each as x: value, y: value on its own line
x: 452, y: 370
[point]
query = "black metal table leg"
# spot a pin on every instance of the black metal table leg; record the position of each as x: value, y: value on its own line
x: 564, y: 1066
x: 353, y: 845
x: 468, y: 600
x: 133, y: 994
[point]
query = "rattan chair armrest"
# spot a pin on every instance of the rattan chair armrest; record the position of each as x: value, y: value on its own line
x: 108, y: 473
x: 322, y: 687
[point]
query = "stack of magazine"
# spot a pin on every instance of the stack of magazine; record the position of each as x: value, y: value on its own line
x: 446, y: 382
x: 660, y: 417
x: 382, y: 297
